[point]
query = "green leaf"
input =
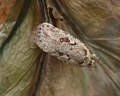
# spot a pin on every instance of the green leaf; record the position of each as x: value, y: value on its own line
x: 7, y: 27
x: 18, y: 57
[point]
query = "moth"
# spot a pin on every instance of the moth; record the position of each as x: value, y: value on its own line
x: 64, y: 46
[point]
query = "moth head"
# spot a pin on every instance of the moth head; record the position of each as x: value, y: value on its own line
x: 94, y: 60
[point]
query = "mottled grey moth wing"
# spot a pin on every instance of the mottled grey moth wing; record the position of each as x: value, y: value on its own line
x: 64, y: 46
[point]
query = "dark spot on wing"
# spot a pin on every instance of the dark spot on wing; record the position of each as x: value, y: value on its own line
x: 89, y: 65
x: 85, y: 52
x: 61, y: 54
x: 68, y: 57
x: 73, y: 44
x: 47, y: 25
x: 66, y: 39
x: 71, y: 48
x: 39, y: 32
x: 81, y: 62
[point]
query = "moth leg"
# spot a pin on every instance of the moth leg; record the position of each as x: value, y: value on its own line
x: 85, y: 59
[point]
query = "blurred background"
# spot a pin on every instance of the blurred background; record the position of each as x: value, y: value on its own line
x: 25, y: 70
